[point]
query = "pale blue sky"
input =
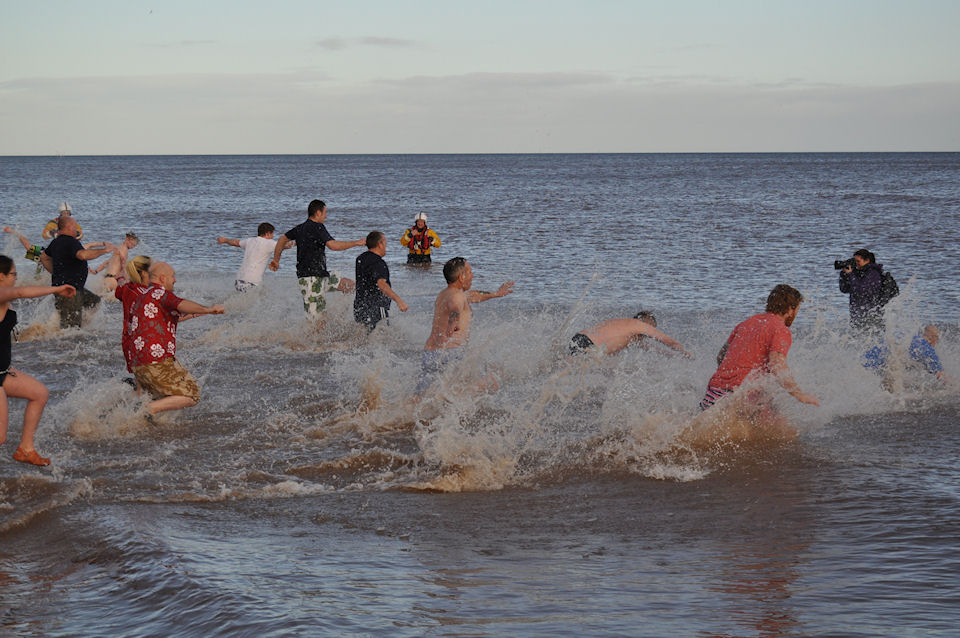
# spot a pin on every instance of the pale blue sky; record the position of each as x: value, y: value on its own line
x: 134, y: 76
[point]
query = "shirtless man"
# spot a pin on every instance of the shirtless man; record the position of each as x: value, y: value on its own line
x: 452, y: 317
x: 616, y: 334
x: 116, y: 266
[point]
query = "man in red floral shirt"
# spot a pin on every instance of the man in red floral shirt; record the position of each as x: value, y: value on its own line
x: 151, y: 353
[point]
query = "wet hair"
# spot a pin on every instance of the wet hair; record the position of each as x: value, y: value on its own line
x: 315, y: 206
x: 138, y: 269
x: 6, y: 264
x: 783, y: 298
x: 63, y: 221
x: 374, y: 238
x: 451, y: 269
x: 863, y: 253
x: 265, y: 228
x: 647, y: 317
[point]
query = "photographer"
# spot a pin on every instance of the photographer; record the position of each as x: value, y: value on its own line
x: 862, y: 279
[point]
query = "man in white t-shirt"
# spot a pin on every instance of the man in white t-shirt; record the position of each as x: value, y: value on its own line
x: 257, y: 252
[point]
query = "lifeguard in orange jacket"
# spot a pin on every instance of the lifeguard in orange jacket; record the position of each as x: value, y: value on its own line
x: 420, y: 240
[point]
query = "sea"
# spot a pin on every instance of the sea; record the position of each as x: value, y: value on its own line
x: 309, y: 494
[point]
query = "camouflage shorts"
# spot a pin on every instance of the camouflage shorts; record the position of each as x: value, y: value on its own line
x: 167, y: 378
x: 314, y: 291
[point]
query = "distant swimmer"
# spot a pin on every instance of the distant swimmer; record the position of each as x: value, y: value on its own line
x: 922, y: 353
x: 374, y: 294
x: 312, y: 241
x: 759, y: 345
x: 420, y: 241
x: 52, y: 228
x: 257, y: 252
x: 13, y: 382
x: 452, y: 318
x: 116, y: 265
x: 152, y: 344
x: 66, y: 259
x: 613, y: 335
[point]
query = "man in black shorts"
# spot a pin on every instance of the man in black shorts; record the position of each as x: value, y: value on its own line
x: 372, y: 302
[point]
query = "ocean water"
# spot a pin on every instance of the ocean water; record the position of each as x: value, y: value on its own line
x: 308, y: 495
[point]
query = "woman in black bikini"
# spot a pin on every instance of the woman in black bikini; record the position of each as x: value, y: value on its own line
x: 14, y: 383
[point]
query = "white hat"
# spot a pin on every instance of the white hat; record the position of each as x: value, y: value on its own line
x: 64, y: 207
x: 419, y: 216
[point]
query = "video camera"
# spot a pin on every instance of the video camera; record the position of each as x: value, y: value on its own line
x: 846, y: 263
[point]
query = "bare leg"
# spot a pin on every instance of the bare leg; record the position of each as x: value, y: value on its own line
x: 173, y: 402
x: 22, y: 386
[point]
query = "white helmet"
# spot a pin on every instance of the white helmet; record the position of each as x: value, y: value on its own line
x: 420, y: 216
x: 64, y: 208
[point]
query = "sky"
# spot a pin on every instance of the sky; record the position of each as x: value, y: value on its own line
x: 103, y: 77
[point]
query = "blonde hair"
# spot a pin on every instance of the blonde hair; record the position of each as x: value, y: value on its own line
x: 138, y: 269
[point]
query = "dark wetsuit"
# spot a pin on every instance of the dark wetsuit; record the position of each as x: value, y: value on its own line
x: 580, y: 343
x: 6, y: 332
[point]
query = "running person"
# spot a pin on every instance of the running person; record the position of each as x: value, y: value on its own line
x: 256, y: 255
x: 312, y: 241
x: 616, y: 334
x: 452, y: 318
x: 13, y: 382
x: 760, y: 345
x: 116, y: 266
x: 372, y: 301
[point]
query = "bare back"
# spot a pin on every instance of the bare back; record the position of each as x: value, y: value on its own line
x: 617, y: 334
x: 117, y: 263
x: 451, y: 319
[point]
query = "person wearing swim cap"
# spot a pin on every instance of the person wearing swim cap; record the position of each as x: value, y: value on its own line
x: 420, y: 240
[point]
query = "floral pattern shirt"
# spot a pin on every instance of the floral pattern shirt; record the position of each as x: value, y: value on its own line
x: 153, y: 326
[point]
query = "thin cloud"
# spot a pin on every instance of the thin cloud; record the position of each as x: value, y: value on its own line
x: 338, y: 44
x: 505, y: 80
x: 392, y: 43
x: 182, y: 43
x: 332, y: 44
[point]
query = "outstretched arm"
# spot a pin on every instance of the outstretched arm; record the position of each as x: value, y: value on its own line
x: 663, y: 338
x: 23, y: 240
x: 476, y: 296
x: 188, y: 307
x: 778, y: 366
x: 334, y: 244
x: 29, y: 292
x: 92, y: 253
x: 227, y: 240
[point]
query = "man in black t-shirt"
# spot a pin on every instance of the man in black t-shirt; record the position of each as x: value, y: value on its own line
x: 374, y: 293
x: 312, y: 241
x: 66, y: 259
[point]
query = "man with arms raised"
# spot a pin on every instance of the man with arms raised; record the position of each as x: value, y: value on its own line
x: 312, y: 241
x: 760, y: 345
x: 152, y: 349
x: 451, y: 321
x: 616, y: 334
